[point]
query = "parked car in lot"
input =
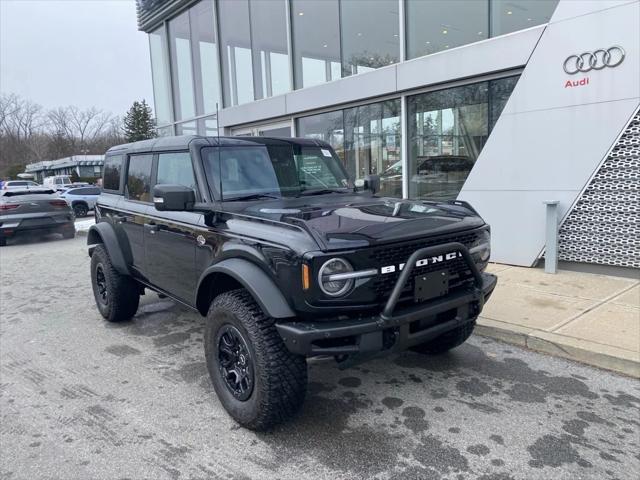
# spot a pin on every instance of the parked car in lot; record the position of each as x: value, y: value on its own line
x: 81, y: 199
x: 20, y: 184
x: 57, y: 182
x: 270, y: 240
x: 34, y: 210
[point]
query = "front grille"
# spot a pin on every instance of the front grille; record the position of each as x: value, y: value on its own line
x: 460, y: 275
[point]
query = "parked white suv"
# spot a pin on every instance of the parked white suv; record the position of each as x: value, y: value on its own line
x: 57, y: 182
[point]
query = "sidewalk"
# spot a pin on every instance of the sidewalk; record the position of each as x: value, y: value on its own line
x: 594, y: 319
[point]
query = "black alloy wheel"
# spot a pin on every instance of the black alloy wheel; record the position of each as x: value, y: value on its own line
x: 101, y: 283
x: 80, y: 210
x: 235, y: 363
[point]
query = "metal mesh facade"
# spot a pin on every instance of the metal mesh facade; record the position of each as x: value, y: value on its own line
x: 604, y: 225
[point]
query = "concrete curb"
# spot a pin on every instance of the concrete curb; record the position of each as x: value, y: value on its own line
x: 583, y: 351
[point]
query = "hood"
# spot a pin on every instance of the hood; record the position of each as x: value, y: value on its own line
x: 339, y: 221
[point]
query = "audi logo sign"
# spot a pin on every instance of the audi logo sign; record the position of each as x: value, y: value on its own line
x: 596, y: 60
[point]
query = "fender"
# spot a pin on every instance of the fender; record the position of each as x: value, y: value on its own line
x: 105, y: 232
x: 257, y: 282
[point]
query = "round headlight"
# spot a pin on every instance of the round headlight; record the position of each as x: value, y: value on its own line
x: 329, y: 284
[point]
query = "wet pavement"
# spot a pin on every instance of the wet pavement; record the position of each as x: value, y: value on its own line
x: 81, y: 399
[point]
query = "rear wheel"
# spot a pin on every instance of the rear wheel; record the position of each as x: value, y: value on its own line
x: 117, y: 296
x: 447, y: 341
x: 80, y: 210
x: 258, y: 381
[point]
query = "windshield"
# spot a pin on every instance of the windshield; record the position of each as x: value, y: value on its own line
x: 272, y: 171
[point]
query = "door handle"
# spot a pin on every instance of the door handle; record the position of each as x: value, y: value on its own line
x: 152, y: 228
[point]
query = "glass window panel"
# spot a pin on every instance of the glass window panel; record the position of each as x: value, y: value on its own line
x: 499, y: 92
x: 235, y: 41
x: 324, y: 126
x: 369, y: 40
x: 187, y: 128
x: 436, y: 25
x: 316, y: 41
x: 165, y: 131
x: 139, y: 178
x: 181, y: 68
x: 447, y: 130
x: 208, y: 127
x: 511, y: 15
x: 112, y: 169
x: 176, y: 169
x: 372, y: 144
x: 160, y: 75
x: 270, y: 51
x: 205, y: 63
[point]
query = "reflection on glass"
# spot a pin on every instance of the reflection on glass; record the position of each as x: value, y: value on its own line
x: 165, y: 131
x: 205, y: 62
x: 316, y: 41
x: 436, y: 25
x: 372, y: 144
x: 208, y: 127
x: 269, y: 44
x: 447, y: 130
x: 324, y: 126
x: 235, y: 40
x: 499, y: 92
x: 508, y: 16
x: 187, y: 128
x: 184, y: 102
x: 160, y: 75
x: 370, y: 39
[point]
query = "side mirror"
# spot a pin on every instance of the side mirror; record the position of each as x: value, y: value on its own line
x: 372, y: 183
x: 173, y: 198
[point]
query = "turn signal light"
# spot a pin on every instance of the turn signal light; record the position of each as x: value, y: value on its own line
x: 306, y: 277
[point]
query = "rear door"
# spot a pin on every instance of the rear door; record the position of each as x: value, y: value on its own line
x: 170, y: 237
x: 133, y: 209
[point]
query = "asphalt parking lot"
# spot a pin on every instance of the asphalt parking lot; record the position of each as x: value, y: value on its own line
x: 81, y: 399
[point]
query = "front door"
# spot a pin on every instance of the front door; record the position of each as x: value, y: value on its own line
x: 132, y: 211
x: 170, y: 238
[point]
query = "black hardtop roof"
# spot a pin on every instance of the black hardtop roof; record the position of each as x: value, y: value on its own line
x: 183, y: 142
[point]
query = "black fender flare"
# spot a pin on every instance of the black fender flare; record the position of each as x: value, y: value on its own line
x: 104, y: 233
x: 256, y: 281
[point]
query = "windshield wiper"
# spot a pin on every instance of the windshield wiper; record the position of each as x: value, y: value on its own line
x: 253, y: 196
x: 321, y: 191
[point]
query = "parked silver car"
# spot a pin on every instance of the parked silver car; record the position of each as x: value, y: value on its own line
x: 81, y: 199
x: 34, y: 210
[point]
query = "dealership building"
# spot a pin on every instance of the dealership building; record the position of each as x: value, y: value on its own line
x: 512, y: 105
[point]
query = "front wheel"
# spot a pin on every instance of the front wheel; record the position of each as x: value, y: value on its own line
x: 117, y: 296
x: 446, y: 341
x: 258, y: 381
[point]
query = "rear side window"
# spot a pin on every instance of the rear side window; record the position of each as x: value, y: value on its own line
x: 139, y: 178
x: 176, y: 168
x: 93, y: 191
x: 112, y: 170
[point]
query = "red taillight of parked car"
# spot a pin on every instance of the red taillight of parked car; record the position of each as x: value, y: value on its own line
x: 8, y: 206
x: 58, y: 203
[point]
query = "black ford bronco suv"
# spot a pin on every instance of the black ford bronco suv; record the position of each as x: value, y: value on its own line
x: 287, y: 259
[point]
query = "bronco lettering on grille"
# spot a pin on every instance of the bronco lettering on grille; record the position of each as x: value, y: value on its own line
x: 422, y: 262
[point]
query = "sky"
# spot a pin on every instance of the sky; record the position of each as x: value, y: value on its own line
x: 74, y: 52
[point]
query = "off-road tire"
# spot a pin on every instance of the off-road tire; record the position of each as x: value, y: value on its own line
x: 80, y: 210
x: 123, y: 293
x: 279, y: 377
x: 447, y: 341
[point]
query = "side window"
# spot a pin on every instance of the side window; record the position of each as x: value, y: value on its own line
x: 139, y: 178
x: 176, y: 168
x: 112, y: 170
x: 93, y: 191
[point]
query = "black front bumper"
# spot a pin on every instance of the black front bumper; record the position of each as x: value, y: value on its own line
x: 392, y: 331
